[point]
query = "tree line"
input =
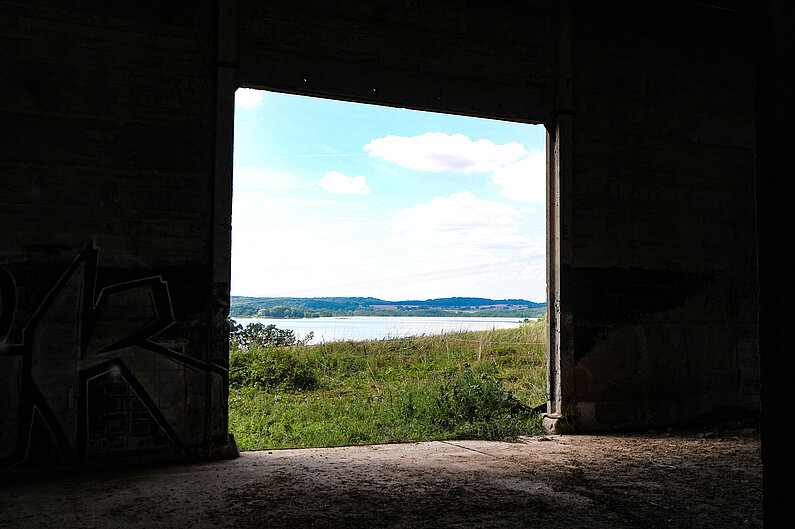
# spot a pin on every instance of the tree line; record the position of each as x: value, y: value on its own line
x: 253, y: 311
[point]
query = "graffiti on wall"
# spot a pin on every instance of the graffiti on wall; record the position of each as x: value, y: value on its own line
x: 89, y: 379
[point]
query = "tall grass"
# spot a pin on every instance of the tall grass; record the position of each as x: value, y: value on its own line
x: 450, y: 386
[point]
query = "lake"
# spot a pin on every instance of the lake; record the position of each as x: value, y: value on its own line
x: 378, y: 327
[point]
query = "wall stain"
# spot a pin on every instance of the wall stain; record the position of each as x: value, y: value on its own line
x: 602, y: 296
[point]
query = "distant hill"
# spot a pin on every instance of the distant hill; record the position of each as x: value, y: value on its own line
x: 250, y: 307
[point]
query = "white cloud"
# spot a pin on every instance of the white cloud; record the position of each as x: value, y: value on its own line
x: 255, y: 179
x: 520, y: 174
x: 461, y: 229
x: 523, y: 180
x: 249, y: 98
x: 437, y: 151
x: 469, y: 246
x: 460, y: 216
x: 272, y: 257
x: 451, y: 245
x: 338, y: 183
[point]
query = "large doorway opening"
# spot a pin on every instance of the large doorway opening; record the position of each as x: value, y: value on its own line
x: 368, y: 243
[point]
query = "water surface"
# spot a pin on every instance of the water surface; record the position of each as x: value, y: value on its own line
x: 378, y: 327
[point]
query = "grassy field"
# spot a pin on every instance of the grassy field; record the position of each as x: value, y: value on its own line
x: 469, y: 385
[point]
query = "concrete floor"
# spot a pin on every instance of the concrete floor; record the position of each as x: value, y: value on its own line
x: 706, y: 479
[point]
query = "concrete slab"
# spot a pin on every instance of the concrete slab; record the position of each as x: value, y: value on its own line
x: 707, y: 479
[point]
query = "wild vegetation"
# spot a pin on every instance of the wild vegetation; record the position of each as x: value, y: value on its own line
x: 473, y: 385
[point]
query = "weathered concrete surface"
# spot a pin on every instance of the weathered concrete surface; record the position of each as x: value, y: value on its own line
x: 684, y: 481
x: 658, y: 280
x: 437, y: 56
x: 775, y: 114
x: 116, y: 160
x: 108, y: 346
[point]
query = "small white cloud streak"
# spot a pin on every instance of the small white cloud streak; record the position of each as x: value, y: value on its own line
x: 249, y: 98
x: 437, y: 152
x: 338, y: 183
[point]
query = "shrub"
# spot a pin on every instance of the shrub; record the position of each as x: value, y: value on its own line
x: 465, y: 405
x: 270, y: 369
x: 258, y: 335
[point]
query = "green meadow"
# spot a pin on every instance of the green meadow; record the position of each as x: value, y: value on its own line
x: 464, y: 385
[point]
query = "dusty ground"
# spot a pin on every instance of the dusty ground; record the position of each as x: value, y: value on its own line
x: 657, y: 480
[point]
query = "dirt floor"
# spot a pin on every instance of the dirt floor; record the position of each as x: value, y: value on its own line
x: 707, y: 479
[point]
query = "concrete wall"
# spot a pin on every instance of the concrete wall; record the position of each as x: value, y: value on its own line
x: 116, y: 162
x: 660, y: 281
x: 656, y: 247
x: 106, y: 171
x: 482, y: 61
x: 775, y: 45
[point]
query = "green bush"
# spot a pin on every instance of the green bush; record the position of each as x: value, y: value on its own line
x: 270, y: 369
x: 258, y: 335
x: 465, y: 405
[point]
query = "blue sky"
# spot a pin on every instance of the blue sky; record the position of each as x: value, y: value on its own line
x: 342, y: 199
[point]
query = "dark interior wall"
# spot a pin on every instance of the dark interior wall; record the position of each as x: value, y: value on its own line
x: 474, y: 59
x: 661, y: 286
x: 775, y: 114
x: 657, y: 284
x: 115, y: 204
x: 106, y: 165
